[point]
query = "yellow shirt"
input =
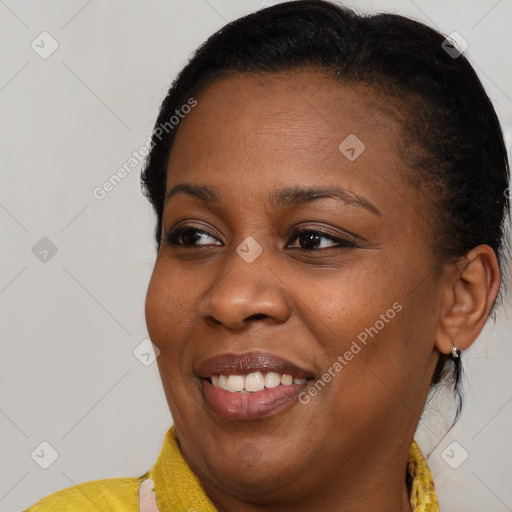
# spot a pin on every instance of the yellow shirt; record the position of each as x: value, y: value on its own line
x: 172, y: 487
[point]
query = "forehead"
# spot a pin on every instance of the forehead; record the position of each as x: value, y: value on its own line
x: 250, y: 135
x: 282, y: 119
x: 292, y: 103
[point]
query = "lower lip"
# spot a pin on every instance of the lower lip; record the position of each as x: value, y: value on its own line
x: 250, y: 406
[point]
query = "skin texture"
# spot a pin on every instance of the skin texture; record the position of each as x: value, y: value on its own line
x: 347, y: 448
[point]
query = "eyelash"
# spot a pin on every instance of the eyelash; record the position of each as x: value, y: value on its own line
x: 342, y: 243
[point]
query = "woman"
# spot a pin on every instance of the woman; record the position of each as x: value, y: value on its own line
x: 330, y: 200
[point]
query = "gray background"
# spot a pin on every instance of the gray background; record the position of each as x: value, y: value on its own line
x: 69, y: 324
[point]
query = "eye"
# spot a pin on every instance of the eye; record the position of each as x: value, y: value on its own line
x: 312, y: 239
x: 190, y: 236
x: 308, y: 238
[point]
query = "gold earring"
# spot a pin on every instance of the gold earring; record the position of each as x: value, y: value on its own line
x: 455, y: 351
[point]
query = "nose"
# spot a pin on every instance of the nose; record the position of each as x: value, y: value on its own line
x: 244, y: 293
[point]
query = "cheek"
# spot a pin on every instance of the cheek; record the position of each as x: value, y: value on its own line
x: 168, y: 306
x: 386, y: 349
x: 169, y: 320
x: 347, y: 304
x: 376, y: 324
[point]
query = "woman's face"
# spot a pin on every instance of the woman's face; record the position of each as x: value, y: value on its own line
x: 336, y: 290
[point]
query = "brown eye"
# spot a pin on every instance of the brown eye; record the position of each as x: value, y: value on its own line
x: 190, y: 236
x: 312, y: 239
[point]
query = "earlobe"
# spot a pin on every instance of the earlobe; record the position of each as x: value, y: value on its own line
x: 471, y: 290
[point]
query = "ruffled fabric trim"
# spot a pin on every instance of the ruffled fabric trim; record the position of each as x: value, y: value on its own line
x: 147, y: 498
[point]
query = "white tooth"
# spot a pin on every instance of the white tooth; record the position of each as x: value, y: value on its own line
x: 272, y: 380
x: 215, y: 380
x: 254, y: 382
x: 286, y: 380
x: 236, y: 383
x: 299, y: 381
x: 223, y: 382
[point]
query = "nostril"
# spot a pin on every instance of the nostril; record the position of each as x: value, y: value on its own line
x: 258, y: 316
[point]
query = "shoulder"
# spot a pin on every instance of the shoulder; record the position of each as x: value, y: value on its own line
x: 113, y: 494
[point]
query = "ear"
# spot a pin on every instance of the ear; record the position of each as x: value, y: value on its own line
x: 471, y: 288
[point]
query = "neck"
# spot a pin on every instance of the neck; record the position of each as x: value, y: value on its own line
x: 373, y: 489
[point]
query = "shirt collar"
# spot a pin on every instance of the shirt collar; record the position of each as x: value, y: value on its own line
x: 423, y: 495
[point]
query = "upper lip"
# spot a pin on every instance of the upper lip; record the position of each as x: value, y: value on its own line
x: 249, y: 362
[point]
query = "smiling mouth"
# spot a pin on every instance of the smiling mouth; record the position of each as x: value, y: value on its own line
x: 251, y: 386
x: 254, y: 382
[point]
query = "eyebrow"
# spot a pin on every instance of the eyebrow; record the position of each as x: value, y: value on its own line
x: 286, y: 197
